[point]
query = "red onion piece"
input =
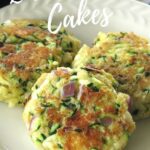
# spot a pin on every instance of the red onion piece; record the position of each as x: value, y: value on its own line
x: 106, y: 121
x: 64, y: 70
x: 67, y: 129
x: 92, y: 68
x: 31, y: 122
x: 68, y: 90
x: 80, y: 92
x: 61, y: 72
x: 129, y: 102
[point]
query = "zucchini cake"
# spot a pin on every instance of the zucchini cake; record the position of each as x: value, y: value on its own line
x: 27, y: 49
x: 127, y: 57
x: 71, y: 110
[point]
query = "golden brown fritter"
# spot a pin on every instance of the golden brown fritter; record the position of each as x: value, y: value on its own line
x: 72, y: 110
x: 27, y: 49
x: 127, y: 57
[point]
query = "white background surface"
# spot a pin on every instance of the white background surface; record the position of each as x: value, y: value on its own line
x: 128, y: 16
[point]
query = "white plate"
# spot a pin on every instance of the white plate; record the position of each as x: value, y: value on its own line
x: 128, y: 16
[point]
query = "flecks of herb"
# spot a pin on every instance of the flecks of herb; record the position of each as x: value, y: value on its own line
x: 38, y: 70
x: 122, y: 34
x: 148, y: 54
x: 51, y: 58
x: 94, y: 148
x: 74, y: 112
x: 54, y: 88
x: 115, y: 85
x: 95, y: 124
x: 47, y: 105
x: 114, y: 58
x: 103, y: 58
x: 3, y: 38
x: 30, y: 25
x: 81, y: 107
x: 58, y: 79
x: 132, y: 52
x: 60, y: 146
x: 78, y: 130
x: 36, y: 86
x: 74, y: 73
x: 68, y: 99
x: 24, y: 89
x: 129, y: 65
x: 71, y: 45
x: 24, y: 83
x: 104, y: 140
x: 43, y: 136
x: 117, y: 106
x: 43, y: 27
x: 31, y: 113
x: 40, y: 97
x: 97, y: 40
x: 38, y: 128
x: 135, y: 112
x: 93, y: 87
x: 51, y: 45
x: 141, y: 70
x: 147, y: 90
x: 46, y: 67
x: 20, y: 66
x: 147, y: 73
x: 96, y: 108
x: 66, y: 46
x: 2, y: 65
x: 1, y: 44
x: 19, y: 80
x: 38, y: 140
x: 138, y: 77
x: 4, y: 53
x: 54, y: 128
x: 18, y: 47
x: 69, y: 105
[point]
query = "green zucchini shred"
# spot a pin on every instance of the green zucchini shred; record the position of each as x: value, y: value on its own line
x: 93, y: 87
x: 54, y: 128
x: 60, y: 146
